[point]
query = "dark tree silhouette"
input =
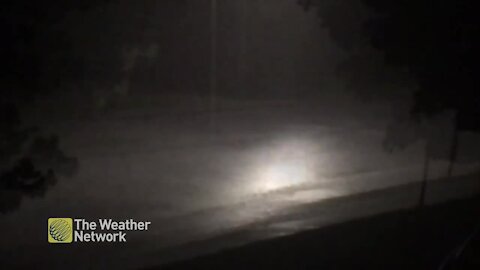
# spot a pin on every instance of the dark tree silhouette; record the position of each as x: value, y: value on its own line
x: 436, y: 42
x: 35, y: 53
x: 29, y: 162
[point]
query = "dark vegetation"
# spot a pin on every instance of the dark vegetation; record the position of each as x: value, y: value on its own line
x: 34, y: 52
x: 436, y: 42
x: 30, y: 161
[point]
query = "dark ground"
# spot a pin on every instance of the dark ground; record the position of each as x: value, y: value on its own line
x: 409, y: 239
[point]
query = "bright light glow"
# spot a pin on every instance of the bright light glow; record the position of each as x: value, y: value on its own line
x: 280, y: 174
x: 284, y: 164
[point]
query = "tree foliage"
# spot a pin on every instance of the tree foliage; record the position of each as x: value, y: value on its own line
x: 436, y: 41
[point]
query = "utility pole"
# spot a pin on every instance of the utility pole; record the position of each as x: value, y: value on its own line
x: 426, y: 168
x: 454, y: 147
x: 243, y: 51
x: 213, y: 61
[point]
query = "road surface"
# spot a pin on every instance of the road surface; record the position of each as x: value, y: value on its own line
x: 195, y: 180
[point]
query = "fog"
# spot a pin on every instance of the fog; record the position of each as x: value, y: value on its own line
x: 285, y: 130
